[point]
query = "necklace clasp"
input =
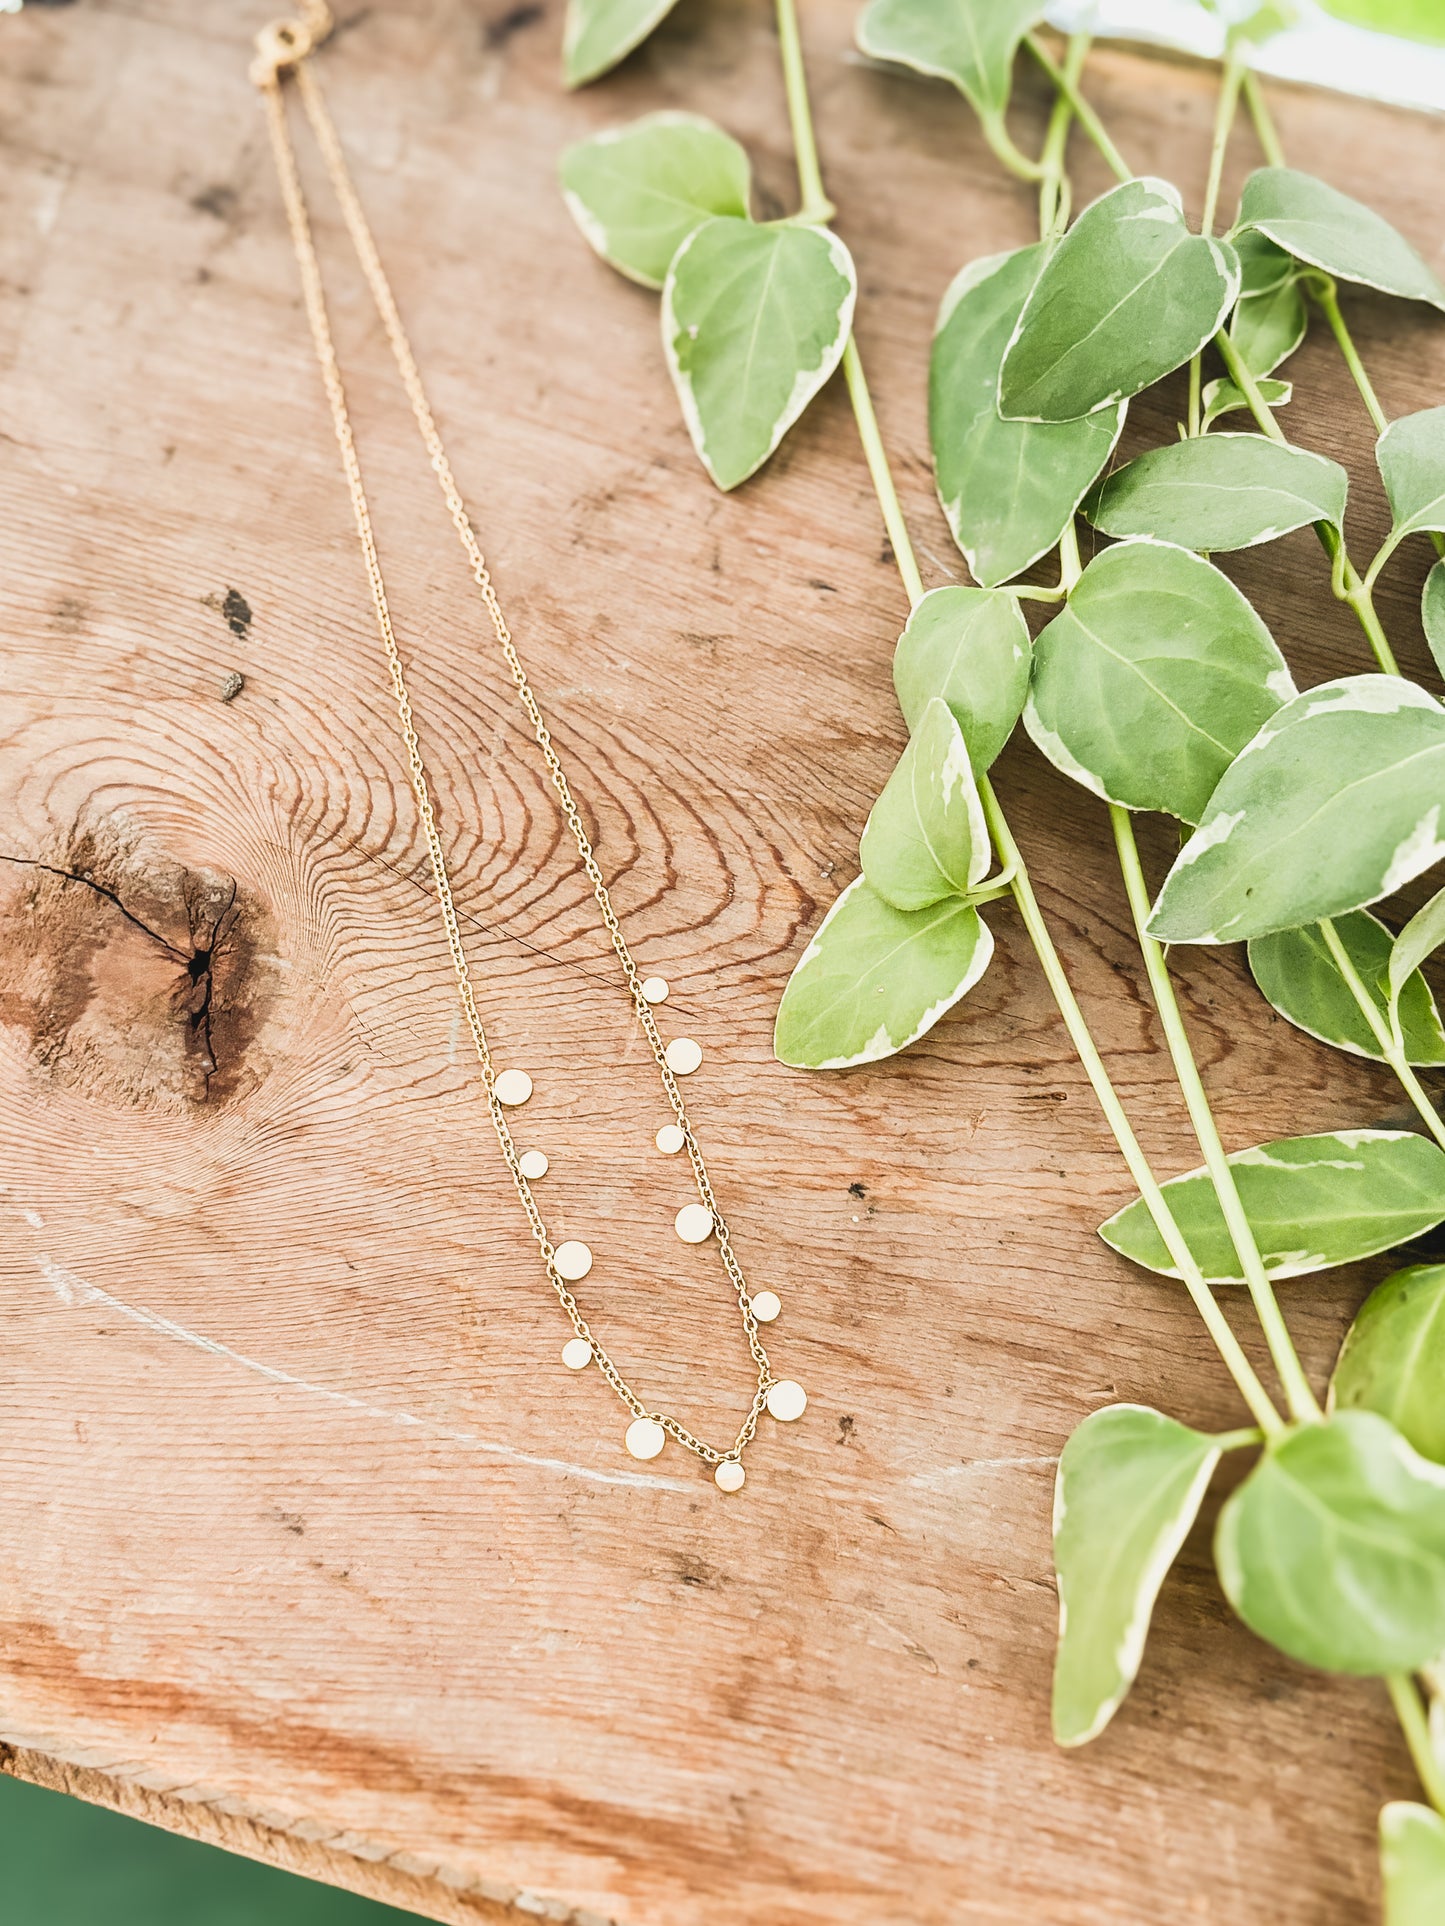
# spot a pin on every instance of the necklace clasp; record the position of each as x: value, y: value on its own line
x: 286, y: 43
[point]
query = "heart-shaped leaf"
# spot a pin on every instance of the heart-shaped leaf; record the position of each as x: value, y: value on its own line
x: 599, y: 33
x: 1412, y: 1838
x: 970, y: 42
x: 1223, y: 398
x: 1129, y: 1484
x: 754, y: 320
x: 1152, y: 678
x: 638, y: 191
x: 1299, y: 976
x: 1432, y: 613
x: 1318, y: 224
x: 1008, y: 488
x: 1393, y: 1359
x: 1411, y: 455
x: 970, y: 646
x: 926, y: 837
x: 1220, y: 492
x: 1128, y: 295
x: 1336, y: 803
x: 1312, y: 1202
x: 1333, y: 1548
x: 1267, y: 328
x: 875, y: 978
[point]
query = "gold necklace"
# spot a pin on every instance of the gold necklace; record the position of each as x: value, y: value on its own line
x: 283, y: 48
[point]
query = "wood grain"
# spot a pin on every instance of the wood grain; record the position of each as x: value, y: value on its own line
x: 307, y: 1542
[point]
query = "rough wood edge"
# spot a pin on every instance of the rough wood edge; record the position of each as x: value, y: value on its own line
x: 434, y: 1890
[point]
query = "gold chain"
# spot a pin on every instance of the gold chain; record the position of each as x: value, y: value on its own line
x: 283, y: 48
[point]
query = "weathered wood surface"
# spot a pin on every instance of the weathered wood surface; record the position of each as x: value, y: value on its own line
x: 306, y: 1540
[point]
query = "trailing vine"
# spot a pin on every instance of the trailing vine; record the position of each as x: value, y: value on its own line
x: 1154, y: 684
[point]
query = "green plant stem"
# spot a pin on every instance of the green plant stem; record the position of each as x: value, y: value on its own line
x: 1298, y: 1394
x: 1054, y: 193
x: 1264, y: 126
x: 1001, y: 143
x: 1411, y: 1714
x: 1328, y: 301
x: 1220, y: 1330
x: 1241, y: 1370
x: 1068, y: 86
x: 1348, y: 585
x: 1383, y: 1034
x: 882, y: 475
x: 1224, y: 112
x: 816, y: 205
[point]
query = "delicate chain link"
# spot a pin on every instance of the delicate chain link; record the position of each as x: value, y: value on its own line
x: 283, y: 48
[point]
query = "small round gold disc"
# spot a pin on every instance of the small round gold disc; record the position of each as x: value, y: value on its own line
x: 573, y: 1261
x: 694, y: 1223
x: 645, y: 1437
x: 683, y: 1056
x: 670, y: 1140
x: 729, y: 1475
x: 654, y: 988
x: 766, y: 1306
x: 787, y: 1400
x: 576, y: 1354
x: 533, y: 1164
x: 513, y: 1087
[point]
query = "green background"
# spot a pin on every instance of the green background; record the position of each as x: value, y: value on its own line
x: 64, y: 1863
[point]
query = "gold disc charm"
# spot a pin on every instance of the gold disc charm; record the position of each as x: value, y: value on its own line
x: 787, y: 1400
x: 669, y: 1140
x: 766, y: 1306
x: 576, y: 1354
x: 513, y: 1087
x: 533, y: 1164
x: 693, y: 1223
x: 729, y: 1475
x: 683, y: 1056
x: 654, y: 989
x: 573, y: 1261
x: 645, y: 1437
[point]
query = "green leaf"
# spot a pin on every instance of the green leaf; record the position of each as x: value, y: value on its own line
x: 1262, y: 265
x: 1226, y: 492
x: 1008, y: 488
x: 926, y: 837
x: 1312, y: 1202
x: 1318, y: 224
x: 1412, y: 1846
x: 875, y: 978
x: 1267, y: 328
x: 1130, y: 1482
x: 1333, y: 1548
x: 1393, y: 1359
x: 1420, y: 938
x: 1301, y: 979
x: 638, y: 191
x: 970, y: 646
x: 754, y: 320
x: 1126, y: 296
x: 970, y: 42
x: 599, y: 33
x: 1328, y: 809
x: 1432, y: 613
x: 1411, y: 20
x: 1152, y: 678
x: 1411, y: 457
x: 1223, y: 398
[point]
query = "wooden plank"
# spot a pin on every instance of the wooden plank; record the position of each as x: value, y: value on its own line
x: 305, y: 1538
